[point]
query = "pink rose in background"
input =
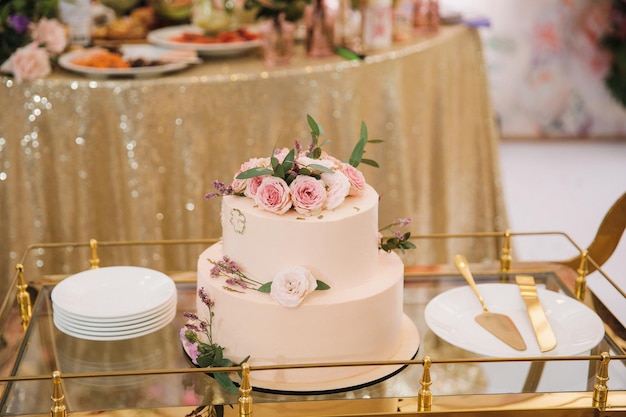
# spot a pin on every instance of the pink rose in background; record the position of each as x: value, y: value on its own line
x: 337, y: 189
x: 28, y: 63
x: 308, y: 194
x: 49, y: 33
x: 356, y: 178
x: 273, y: 195
x: 291, y: 285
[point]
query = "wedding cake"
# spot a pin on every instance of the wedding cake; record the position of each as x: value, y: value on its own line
x: 303, y: 275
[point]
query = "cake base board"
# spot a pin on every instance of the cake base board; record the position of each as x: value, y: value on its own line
x: 371, y: 375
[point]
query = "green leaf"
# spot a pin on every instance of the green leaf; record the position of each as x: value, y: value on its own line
x: 322, y: 286
x: 315, y: 153
x: 305, y: 171
x: 265, y: 287
x: 408, y: 245
x: 375, y: 141
x: 289, y: 159
x: 225, y: 382
x: 279, y: 171
x: 359, y: 148
x: 205, y: 360
x: 316, y: 129
x: 320, y: 168
x: 254, y: 172
x: 370, y: 162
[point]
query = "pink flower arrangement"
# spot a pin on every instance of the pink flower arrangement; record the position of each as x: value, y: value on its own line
x: 306, y: 180
x: 32, y: 61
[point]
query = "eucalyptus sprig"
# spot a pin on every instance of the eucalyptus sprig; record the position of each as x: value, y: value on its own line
x: 398, y: 240
x: 288, y: 169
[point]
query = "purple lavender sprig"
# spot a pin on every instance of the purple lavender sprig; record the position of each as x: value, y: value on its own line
x: 207, y: 354
x: 231, y: 270
x: 221, y: 189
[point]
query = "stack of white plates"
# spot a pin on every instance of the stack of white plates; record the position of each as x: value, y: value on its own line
x: 114, y: 303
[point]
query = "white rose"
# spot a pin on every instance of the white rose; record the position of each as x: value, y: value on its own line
x: 337, y: 189
x: 291, y: 285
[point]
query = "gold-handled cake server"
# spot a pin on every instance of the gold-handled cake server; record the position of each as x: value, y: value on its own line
x: 499, y: 325
x: 541, y: 325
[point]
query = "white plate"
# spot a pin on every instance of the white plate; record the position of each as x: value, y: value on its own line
x: 146, y: 51
x: 116, y: 321
x: 118, y: 335
x: 113, y: 292
x: 450, y: 315
x: 70, y: 321
x: 163, y: 36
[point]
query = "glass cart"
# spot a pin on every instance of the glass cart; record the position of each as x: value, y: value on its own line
x: 44, y: 371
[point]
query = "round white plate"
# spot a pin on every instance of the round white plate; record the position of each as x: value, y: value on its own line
x: 120, y: 335
x: 163, y: 37
x: 118, y: 321
x: 111, y: 327
x: 67, y: 60
x: 113, y: 292
x: 450, y: 315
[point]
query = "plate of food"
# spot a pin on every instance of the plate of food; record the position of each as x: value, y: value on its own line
x: 127, y: 61
x: 189, y: 37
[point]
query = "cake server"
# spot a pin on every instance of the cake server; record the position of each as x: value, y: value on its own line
x: 541, y: 325
x: 499, y: 325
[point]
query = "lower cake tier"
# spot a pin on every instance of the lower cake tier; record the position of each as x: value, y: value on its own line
x: 365, y: 323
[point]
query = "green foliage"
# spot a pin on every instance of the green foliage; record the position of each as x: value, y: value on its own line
x: 285, y: 170
x: 292, y: 10
x: 614, y: 41
x: 10, y: 39
x: 402, y: 243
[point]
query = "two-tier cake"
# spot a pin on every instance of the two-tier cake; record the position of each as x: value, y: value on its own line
x: 299, y: 275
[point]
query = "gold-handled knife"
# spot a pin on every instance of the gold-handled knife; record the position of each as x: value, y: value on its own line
x: 541, y: 325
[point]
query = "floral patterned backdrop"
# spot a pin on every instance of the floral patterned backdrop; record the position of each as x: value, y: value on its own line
x: 545, y: 66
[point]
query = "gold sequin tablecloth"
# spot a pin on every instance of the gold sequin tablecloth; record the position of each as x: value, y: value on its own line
x: 131, y: 159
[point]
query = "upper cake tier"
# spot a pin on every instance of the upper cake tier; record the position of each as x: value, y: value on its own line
x: 339, y: 246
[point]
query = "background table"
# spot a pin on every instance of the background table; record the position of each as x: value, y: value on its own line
x: 131, y: 159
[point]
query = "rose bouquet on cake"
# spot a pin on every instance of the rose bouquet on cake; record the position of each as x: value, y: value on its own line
x: 306, y: 180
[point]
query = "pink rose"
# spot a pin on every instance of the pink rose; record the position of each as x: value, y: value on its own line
x: 337, y: 189
x: 239, y: 185
x: 307, y: 194
x: 252, y: 185
x: 356, y: 178
x: 291, y: 285
x: 49, y: 33
x: 28, y: 63
x: 273, y: 195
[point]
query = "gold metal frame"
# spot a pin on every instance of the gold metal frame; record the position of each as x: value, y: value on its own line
x: 599, y: 402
